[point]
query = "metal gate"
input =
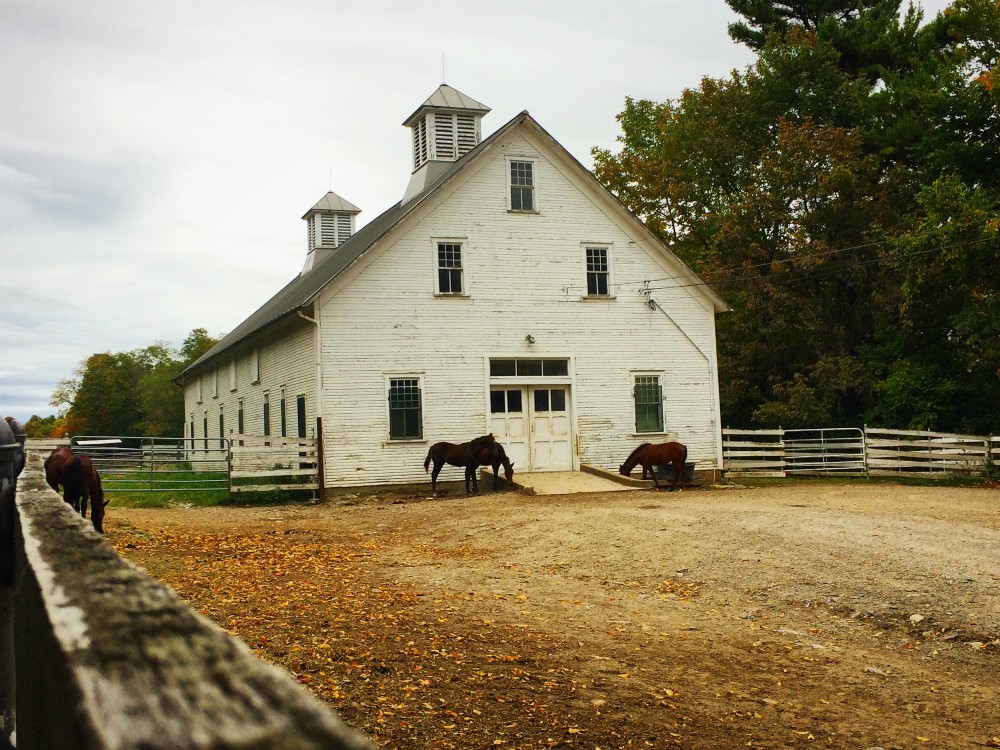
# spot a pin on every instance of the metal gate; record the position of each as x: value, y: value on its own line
x: 157, y: 464
x: 825, y: 450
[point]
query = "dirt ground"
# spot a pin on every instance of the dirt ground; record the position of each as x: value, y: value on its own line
x: 807, y: 615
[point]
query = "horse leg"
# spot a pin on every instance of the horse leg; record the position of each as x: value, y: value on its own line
x: 434, y: 475
x: 652, y: 472
x: 678, y: 476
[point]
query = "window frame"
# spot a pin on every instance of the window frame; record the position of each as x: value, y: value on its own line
x: 463, y: 245
x: 661, y: 413
x: 608, y: 248
x: 510, y: 161
x: 396, y: 378
x: 255, y: 365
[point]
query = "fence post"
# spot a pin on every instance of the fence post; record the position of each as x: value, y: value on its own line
x: 864, y: 448
x: 229, y: 464
x: 320, y: 459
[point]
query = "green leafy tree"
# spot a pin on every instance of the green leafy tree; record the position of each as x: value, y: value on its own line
x: 40, y: 427
x: 129, y: 393
x: 839, y: 195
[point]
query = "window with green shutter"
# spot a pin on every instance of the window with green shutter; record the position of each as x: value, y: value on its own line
x: 405, y: 420
x: 648, y: 397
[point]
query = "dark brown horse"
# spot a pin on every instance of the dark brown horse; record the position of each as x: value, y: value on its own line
x: 651, y: 455
x: 459, y: 454
x: 495, y: 456
x: 80, y: 482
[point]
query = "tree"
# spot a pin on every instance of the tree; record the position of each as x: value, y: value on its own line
x: 839, y: 194
x: 129, y: 393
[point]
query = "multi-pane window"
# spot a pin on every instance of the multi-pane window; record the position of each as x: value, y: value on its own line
x: 284, y: 418
x: 648, y: 404
x: 522, y: 186
x: 267, y: 415
x: 449, y: 267
x: 405, y: 420
x: 222, y: 429
x: 598, y: 271
x: 506, y: 401
x: 500, y: 368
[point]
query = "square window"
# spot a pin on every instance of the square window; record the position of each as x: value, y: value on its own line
x: 557, y: 399
x: 648, y: 397
x: 405, y: 419
x: 449, y: 268
x: 541, y: 400
x: 522, y: 186
x: 598, y: 271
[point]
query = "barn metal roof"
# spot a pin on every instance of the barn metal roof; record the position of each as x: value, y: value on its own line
x: 445, y: 97
x: 333, y: 202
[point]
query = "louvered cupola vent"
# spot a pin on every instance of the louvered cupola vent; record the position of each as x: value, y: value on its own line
x: 331, y: 224
x: 444, y: 129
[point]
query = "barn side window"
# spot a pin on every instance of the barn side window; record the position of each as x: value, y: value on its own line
x: 255, y: 365
x: 598, y: 271
x: 405, y: 413
x: 522, y: 186
x: 450, y: 269
x: 648, y: 396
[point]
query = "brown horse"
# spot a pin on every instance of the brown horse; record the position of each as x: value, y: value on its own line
x: 80, y: 481
x: 651, y: 455
x: 459, y: 454
x: 495, y: 456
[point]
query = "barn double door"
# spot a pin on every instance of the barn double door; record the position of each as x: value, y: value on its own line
x: 533, y: 424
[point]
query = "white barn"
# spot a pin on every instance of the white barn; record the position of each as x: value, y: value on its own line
x: 507, y: 292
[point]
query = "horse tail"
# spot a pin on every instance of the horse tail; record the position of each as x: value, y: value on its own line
x: 684, y: 458
x: 427, y: 461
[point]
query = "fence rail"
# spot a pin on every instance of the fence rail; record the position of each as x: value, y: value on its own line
x: 239, y: 463
x: 852, y: 451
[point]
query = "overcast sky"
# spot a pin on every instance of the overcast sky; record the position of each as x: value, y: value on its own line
x: 156, y: 157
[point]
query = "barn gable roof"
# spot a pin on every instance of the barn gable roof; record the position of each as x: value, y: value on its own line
x: 301, y: 290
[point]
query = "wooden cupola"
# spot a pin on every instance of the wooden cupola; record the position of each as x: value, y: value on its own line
x: 331, y: 224
x: 444, y: 129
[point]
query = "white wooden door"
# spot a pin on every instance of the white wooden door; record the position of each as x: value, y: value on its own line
x: 509, y: 424
x: 533, y: 425
x: 550, y: 439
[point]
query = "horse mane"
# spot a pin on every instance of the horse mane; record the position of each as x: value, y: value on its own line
x: 633, y: 458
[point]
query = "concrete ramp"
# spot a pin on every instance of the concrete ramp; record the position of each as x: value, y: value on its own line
x: 568, y: 483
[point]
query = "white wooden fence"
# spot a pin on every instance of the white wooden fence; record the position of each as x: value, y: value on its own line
x: 856, y: 452
x: 291, y: 463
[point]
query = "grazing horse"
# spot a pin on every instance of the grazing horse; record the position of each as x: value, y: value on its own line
x: 80, y: 481
x: 651, y: 455
x: 494, y: 456
x: 55, y: 469
x: 460, y: 454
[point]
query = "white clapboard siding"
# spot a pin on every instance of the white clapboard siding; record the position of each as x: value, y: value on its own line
x: 524, y: 274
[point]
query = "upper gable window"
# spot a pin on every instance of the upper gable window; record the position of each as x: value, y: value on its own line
x: 254, y: 365
x: 598, y: 259
x: 522, y: 179
x: 450, y: 266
